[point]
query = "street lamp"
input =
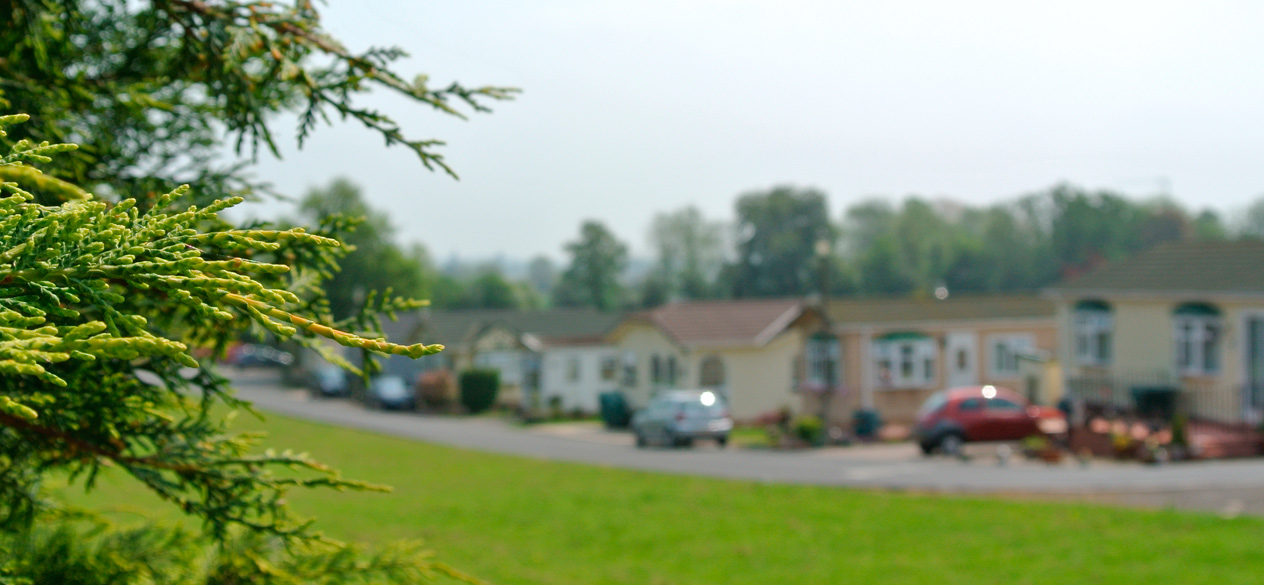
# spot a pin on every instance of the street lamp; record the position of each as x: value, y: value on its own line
x: 823, y: 248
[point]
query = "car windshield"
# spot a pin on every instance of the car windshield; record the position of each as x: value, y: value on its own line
x: 935, y: 402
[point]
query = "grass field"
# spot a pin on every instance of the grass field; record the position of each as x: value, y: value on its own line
x: 512, y: 520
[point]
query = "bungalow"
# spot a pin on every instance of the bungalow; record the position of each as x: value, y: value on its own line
x: 1184, y: 315
x: 889, y: 354
x: 745, y: 349
x: 558, y: 356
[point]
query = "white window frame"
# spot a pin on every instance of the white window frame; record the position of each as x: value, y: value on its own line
x: 1192, y: 334
x: 919, y: 355
x: 1004, y: 351
x: 823, y: 356
x: 1094, y: 336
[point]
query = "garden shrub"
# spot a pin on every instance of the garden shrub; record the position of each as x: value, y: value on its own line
x: 434, y: 389
x: 809, y: 429
x: 479, y: 388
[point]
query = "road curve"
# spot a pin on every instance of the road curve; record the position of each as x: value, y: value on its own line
x: 1229, y: 487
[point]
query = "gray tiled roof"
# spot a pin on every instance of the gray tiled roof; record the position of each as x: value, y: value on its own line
x: 954, y: 308
x: 555, y: 326
x: 1209, y: 267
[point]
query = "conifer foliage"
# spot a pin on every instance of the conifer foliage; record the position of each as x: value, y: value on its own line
x: 99, y: 304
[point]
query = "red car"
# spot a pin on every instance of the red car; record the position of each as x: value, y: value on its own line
x: 950, y: 418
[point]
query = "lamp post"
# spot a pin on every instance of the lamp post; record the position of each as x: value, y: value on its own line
x: 823, y: 248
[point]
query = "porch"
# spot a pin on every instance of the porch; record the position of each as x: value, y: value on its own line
x: 1133, y: 415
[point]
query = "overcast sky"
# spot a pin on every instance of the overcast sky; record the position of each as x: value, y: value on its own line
x: 638, y: 107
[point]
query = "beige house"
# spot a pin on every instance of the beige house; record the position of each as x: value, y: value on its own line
x: 1186, y: 315
x: 749, y: 350
x: 891, y: 354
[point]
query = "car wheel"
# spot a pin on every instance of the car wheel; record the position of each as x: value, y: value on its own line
x: 722, y: 441
x: 951, y: 444
x: 684, y: 442
x: 927, y: 448
x: 640, y: 440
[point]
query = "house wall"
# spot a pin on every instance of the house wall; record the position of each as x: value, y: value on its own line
x: 582, y: 391
x: 499, y: 349
x: 757, y: 379
x: 861, y: 387
x: 1143, y: 341
x: 1143, y: 338
x: 1144, y: 351
x: 640, y: 342
x: 760, y: 379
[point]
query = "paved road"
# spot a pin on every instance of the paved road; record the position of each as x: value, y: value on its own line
x: 1229, y: 487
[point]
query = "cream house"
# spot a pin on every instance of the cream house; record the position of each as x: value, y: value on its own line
x: 1187, y: 315
x: 890, y: 354
x: 749, y: 350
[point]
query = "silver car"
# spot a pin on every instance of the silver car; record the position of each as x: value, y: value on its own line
x: 678, y: 417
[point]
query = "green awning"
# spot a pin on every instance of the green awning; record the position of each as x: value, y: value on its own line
x: 1197, y: 310
x: 903, y: 336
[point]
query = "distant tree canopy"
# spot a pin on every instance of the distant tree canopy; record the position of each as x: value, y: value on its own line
x: 376, y: 262
x: 593, y: 277
x: 689, y: 252
x: 777, y: 237
x: 879, y: 248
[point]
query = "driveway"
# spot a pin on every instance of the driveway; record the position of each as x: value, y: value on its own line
x: 1228, y: 487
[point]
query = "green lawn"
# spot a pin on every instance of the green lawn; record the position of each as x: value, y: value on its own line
x: 512, y: 520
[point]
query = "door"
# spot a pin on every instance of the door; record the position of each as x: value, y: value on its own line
x: 961, y: 358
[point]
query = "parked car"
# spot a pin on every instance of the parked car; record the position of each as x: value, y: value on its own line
x: 330, y: 380
x: 953, y: 417
x: 391, y: 392
x: 678, y: 417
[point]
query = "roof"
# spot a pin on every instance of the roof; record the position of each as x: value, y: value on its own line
x: 1234, y: 267
x: 552, y: 327
x: 864, y: 311
x: 723, y: 323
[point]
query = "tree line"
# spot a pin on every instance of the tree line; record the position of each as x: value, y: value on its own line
x: 785, y: 242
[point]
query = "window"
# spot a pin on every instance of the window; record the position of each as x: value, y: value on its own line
x: 1003, y: 404
x: 1093, y: 325
x: 970, y: 404
x: 904, y: 360
x: 1197, y: 339
x: 629, y: 369
x: 664, y: 371
x: 1003, y: 353
x: 609, y: 368
x: 822, y: 362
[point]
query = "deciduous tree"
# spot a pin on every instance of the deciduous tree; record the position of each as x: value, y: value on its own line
x: 592, y: 278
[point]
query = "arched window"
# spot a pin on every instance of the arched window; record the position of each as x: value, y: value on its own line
x: 712, y: 372
x: 1094, y: 327
x: 1197, y: 339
